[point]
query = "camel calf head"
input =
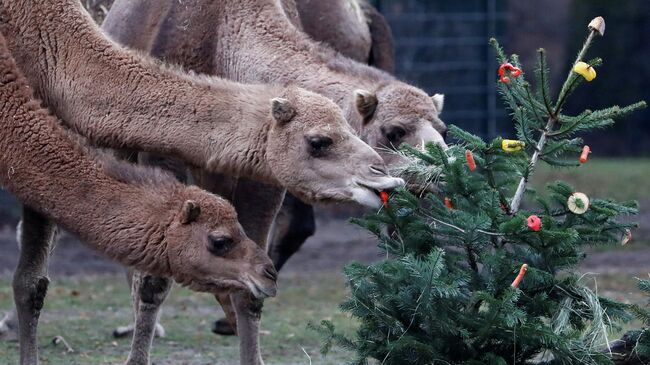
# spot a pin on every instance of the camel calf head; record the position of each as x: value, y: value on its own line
x: 314, y: 153
x: 208, y: 250
x: 399, y: 113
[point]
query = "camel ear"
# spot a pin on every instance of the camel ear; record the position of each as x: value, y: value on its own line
x: 438, y: 101
x: 282, y: 110
x: 366, y: 103
x: 190, y: 211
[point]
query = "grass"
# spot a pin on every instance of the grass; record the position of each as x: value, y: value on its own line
x: 617, y: 178
x: 621, y: 179
x: 85, y: 317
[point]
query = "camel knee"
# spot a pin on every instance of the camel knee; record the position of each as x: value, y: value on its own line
x: 153, y: 290
x: 30, y: 290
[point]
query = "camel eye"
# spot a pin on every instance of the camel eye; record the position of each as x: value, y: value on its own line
x: 318, y: 145
x: 394, y: 134
x: 220, y: 244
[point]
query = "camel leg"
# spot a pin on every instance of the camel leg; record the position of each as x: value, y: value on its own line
x: 30, y: 280
x: 9, y: 323
x: 257, y: 205
x: 225, y: 326
x: 293, y: 226
x: 133, y: 157
x: 249, y: 312
x: 127, y: 331
x: 149, y: 293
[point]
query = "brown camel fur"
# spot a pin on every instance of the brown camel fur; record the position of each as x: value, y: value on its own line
x: 123, y: 100
x: 253, y: 41
x: 140, y: 218
x: 357, y: 30
x: 352, y: 27
x: 283, y: 136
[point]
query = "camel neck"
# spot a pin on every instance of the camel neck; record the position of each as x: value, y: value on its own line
x: 119, y: 99
x: 48, y: 172
x: 284, y: 54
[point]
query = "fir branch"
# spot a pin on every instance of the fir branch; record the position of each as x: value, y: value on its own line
x: 501, y: 55
x: 552, y: 121
x: 566, y: 129
x: 531, y: 101
x: 542, y: 79
x: 585, y: 46
x: 616, y: 112
x: 558, y: 148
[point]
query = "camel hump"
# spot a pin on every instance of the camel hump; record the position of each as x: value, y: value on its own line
x: 382, y: 49
x: 136, y: 24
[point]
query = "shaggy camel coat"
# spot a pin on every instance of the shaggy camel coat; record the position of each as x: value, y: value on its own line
x: 352, y: 27
x: 119, y: 99
x: 254, y: 41
x: 141, y: 218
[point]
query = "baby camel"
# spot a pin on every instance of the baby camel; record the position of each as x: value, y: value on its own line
x: 143, y: 219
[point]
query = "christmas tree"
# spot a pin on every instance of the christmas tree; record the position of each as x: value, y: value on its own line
x: 472, y: 275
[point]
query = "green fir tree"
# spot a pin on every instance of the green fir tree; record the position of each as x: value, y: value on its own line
x: 445, y: 293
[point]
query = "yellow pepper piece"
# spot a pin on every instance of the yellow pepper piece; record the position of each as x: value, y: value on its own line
x: 584, y: 69
x: 512, y: 145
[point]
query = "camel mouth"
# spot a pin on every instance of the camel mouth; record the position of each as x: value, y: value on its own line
x: 259, y: 290
x: 364, y: 191
x: 368, y: 193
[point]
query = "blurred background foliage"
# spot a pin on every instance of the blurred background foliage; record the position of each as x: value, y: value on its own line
x: 442, y: 47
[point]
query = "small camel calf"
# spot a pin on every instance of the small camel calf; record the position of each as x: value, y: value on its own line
x: 141, y: 218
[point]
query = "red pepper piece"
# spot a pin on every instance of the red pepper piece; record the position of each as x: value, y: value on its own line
x: 470, y: 160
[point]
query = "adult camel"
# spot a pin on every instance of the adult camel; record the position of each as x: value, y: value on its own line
x: 254, y: 41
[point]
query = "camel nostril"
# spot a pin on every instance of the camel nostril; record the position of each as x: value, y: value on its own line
x: 271, y: 273
x: 380, y: 170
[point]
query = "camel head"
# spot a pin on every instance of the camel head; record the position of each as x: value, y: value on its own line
x: 313, y: 152
x: 208, y: 250
x: 399, y: 113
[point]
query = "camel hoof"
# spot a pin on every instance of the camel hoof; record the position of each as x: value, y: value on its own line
x: 124, y: 331
x: 160, y: 331
x: 222, y: 327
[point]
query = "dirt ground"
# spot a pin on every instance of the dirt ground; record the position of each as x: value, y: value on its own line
x: 311, y: 287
